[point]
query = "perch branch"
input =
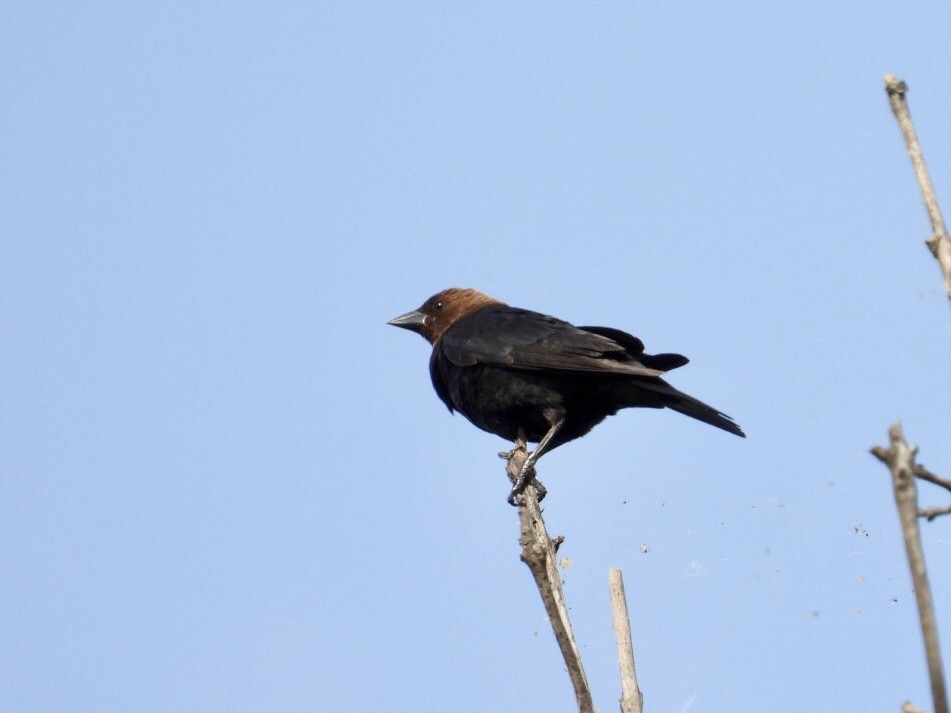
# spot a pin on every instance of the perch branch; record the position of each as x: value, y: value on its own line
x: 632, y: 700
x: 939, y: 243
x: 900, y: 459
x: 538, y: 552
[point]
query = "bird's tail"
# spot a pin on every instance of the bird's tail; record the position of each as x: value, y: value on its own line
x: 689, y: 406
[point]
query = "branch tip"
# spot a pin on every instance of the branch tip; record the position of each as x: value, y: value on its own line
x: 895, y: 85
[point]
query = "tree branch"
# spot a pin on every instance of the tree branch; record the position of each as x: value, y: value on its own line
x: 538, y: 552
x: 931, y: 513
x: 632, y: 700
x: 900, y: 459
x: 925, y: 474
x: 939, y: 243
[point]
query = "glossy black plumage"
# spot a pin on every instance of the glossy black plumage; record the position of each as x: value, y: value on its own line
x: 507, y: 369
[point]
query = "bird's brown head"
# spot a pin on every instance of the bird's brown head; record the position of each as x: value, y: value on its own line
x: 443, y: 310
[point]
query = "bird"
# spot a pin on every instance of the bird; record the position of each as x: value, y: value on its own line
x: 522, y: 374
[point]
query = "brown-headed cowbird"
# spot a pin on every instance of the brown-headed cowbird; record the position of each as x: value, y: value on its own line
x: 509, y: 370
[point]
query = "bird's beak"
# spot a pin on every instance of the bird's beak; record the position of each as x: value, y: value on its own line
x: 413, y: 321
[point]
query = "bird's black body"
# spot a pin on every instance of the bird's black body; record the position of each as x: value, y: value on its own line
x: 511, y: 370
x: 503, y: 368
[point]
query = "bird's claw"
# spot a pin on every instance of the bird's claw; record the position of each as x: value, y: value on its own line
x: 526, y: 473
x: 540, y: 492
x: 525, y: 478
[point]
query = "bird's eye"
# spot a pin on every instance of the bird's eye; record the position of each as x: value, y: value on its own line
x: 438, y: 306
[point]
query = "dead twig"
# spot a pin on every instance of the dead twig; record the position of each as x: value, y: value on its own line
x: 939, y: 243
x: 538, y: 552
x: 931, y: 513
x: 923, y: 473
x: 632, y: 700
x: 900, y: 459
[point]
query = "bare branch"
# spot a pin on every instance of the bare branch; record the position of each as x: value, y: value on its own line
x: 538, y: 552
x: 931, y: 513
x: 924, y: 474
x: 939, y: 243
x: 632, y: 700
x: 900, y: 459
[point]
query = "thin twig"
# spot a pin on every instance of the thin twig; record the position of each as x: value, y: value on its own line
x: 632, y: 700
x: 538, y: 552
x: 939, y: 243
x: 923, y: 473
x: 931, y: 513
x: 900, y: 459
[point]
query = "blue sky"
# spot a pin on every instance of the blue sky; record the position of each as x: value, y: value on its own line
x: 228, y: 484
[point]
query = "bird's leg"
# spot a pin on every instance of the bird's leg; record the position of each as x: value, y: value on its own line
x: 526, y: 473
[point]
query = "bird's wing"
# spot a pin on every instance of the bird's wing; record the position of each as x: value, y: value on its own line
x: 635, y: 347
x: 521, y: 339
